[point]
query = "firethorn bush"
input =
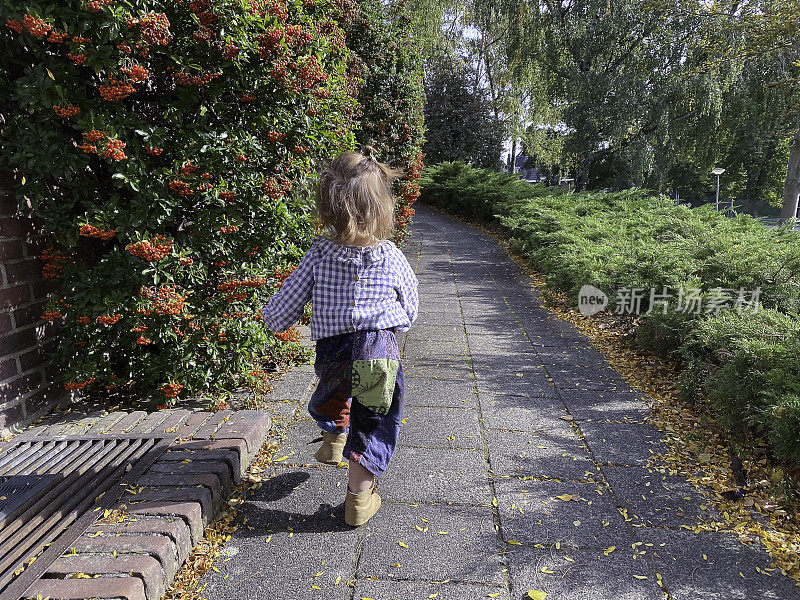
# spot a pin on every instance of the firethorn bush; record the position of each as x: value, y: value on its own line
x: 169, y: 148
x: 390, y: 100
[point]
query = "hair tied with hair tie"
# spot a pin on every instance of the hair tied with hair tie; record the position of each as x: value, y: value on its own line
x: 370, y: 152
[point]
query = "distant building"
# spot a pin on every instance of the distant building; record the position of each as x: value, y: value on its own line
x: 524, y: 167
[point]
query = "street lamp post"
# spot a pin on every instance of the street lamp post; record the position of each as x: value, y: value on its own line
x: 717, y: 171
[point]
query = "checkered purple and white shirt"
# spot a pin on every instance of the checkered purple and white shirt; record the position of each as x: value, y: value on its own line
x: 351, y: 288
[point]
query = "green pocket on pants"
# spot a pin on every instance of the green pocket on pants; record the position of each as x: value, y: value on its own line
x: 373, y: 383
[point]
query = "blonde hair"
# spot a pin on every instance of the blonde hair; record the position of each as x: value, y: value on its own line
x: 354, y: 198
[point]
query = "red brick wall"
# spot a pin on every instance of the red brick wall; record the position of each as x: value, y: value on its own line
x: 28, y: 387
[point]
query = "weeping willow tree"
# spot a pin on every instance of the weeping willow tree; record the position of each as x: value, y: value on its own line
x: 621, y: 93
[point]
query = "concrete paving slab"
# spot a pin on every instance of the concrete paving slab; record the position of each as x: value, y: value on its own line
x: 714, y: 566
x: 623, y: 444
x: 540, y: 454
x: 425, y: 391
x: 522, y: 413
x: 437, y: 475
x: 438, y: 368
x: 467, y: 552
x: 436, y: 427
x: 598, y: 405
x: 570, y: 514
x: 425, y: 590
x: 655, y: 499
x: 583, y: 574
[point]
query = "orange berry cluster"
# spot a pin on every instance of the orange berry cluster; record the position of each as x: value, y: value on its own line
x: 139, y: 329
x: 227, y: 195
x: 231, y: 51
x: 268, y: 41
x: 84, y: 320
x: 66, y: 111
x: 78, y: 59
x: 95, y: 135
x: 206, y: 176
x: 275, y: 188
x: 281, y: 273
x: 52, y: 267
x: 136, y: 73
x: 300, y: 149
x: 275, y: 136
x: 241, y: 158
x: 78, y: 385
x: 152, y: 250
x: 290, y: 335
x: 36, y: 27
x: 97, y: 5
x: 185, y: 260
x: 51, y: 315
x: 188, y: 169
x: 203, y: 34
x: 143, y: 341
x: 255, y: 282
x: 246, y: 98
x: 204, y: 187
x: 309, y: 74
x: 108, y: 319
x: 222, y: 263
x: 297, y: 36
x: 57, y: 37
x: 15, y: 25
x: 87, y: 230
x: 168, y: 301
x: 229, y: 229
x: 80, y: 40
x: 279, y: 69
x: 185, y: 79
x: 124, y: 47
x: 406, y: 212
x: 115, y: 90
x: 155, y: 151
x: 183, y: 188
x: 113, y: 149
x: 155, y: 29
x: 171, y: 389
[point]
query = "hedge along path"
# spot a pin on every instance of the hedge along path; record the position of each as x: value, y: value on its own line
x: 526, y: 466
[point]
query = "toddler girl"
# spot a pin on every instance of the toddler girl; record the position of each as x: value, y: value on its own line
x: 362, y: 290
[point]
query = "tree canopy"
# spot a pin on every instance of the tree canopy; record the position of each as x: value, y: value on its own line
x: 620, y: 94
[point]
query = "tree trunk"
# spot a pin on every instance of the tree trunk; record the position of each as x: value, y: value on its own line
x: 791, y: 189
x: 512, y: 163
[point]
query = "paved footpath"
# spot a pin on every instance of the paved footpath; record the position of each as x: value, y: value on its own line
x: 522, y: 466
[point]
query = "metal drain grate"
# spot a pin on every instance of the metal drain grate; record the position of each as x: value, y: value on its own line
x: 52, y: 489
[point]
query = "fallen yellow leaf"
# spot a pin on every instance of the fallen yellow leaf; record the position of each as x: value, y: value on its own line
x: 402, y: 544
x: 536, y: 595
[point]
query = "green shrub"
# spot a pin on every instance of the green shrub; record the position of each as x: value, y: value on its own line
x: 170, y: 149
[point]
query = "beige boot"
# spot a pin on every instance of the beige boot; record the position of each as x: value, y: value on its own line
x: 359, y: 508
x: 331, y: 450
